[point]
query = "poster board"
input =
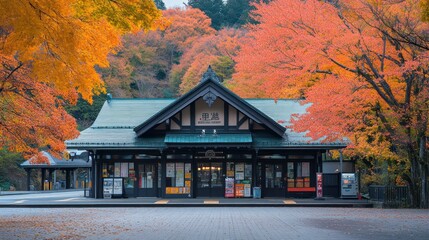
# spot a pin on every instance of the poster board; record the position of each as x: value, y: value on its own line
x: 107, y: 187
x: 170, y: 169
x: 112, y: 187
x: 247, y: 191
x: 239, y: 190
x: 229, y: 187
x: 180, y: 175
x: 117, y: 186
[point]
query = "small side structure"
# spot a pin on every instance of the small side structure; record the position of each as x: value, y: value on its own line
x: 55, y: 164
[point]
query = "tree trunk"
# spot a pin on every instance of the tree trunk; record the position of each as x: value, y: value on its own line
x: 414, y: 170
x: 423, y: 173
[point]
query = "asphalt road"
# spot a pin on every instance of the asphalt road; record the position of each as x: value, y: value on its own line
x: 213, y: 223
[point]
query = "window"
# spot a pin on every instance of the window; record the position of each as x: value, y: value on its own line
x: 120, y: 170
x: 298, y: 176
x: 178, y: 178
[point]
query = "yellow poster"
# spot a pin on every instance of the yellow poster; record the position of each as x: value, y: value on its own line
x: 188, y: 184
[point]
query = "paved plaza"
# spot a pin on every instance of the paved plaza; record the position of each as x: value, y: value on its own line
x: 213, y: 223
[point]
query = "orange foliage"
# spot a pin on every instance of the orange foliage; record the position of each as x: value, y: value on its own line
x: 362, y: 65
x: 216, y: 50
x: 187, y: 26
x: 31, y: 115
x: 48, y: 51
x: 146, y: 58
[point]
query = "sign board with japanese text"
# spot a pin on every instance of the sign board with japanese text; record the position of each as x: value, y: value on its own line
x: 206, y: 115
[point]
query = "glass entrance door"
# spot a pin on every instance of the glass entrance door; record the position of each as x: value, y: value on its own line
x: 210, y: 180
x: 146, y: 180
x: 273, y: 185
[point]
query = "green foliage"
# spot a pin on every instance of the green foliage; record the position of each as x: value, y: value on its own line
x: 10, y: 172
x: 212, y: 8
x: 236, y: 12
x: 224, y: 67
x: 160, y: 4
x: 85, y: 113
x: 231, y: 13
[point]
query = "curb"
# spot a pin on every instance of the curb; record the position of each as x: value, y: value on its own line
x: 151, y: 205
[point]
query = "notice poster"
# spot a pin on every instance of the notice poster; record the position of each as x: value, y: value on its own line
x: 239, y: 190
x: 229, y: 187
x: 188, y: 171
x: 107, y: 187
x: 117, y: 186
x: 124, y: 169
x: 180, y: 175
x: 319, y: 185
x: 170, y: 169
x: 239, y: 171
x: 117, y: 169
x: 247, y: 192
x: 239, y: 167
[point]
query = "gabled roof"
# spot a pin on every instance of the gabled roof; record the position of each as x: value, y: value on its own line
x: 113, y: 128
x: 210, y: 85
x: 121, y: 123
x: 57, y: 163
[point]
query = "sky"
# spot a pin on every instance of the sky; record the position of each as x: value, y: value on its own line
x: 174, y: 3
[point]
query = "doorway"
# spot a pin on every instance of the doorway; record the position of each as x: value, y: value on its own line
x: 273, y: 186
x: 146, y: 180
x: 210, y: 180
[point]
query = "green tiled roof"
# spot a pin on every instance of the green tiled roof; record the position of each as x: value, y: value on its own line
x: 57, y: 163
x: 208, y: 138
x: 114, y: 125
x: 113, y: 138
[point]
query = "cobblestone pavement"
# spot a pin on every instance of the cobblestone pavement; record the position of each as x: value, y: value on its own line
x: 214, y: 223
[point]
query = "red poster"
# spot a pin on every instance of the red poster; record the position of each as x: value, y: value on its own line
x: 319, y: 185
x: 239, y: 190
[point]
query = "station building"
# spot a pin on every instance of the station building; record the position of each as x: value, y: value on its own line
x: 207, y: 143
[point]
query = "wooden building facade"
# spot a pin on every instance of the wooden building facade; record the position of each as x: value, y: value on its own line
x: 207, y: 143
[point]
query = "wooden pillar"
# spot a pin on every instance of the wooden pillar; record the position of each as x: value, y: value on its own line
x: 42, y: 186
x: 28, y: 170
x: 74, y: 179
x: 67, y: 179
x: 163, y: 173
x: 92, y: 193
x: 254, y: 169
x: 194, y: 167
x: 50, y: 179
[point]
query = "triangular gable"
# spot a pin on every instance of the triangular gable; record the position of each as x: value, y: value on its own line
x: 210, y: 87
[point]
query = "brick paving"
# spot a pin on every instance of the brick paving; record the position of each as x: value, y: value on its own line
x: 214, y: 223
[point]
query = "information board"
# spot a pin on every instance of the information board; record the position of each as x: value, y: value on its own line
x: 107, y: 187
x: 117, y: 186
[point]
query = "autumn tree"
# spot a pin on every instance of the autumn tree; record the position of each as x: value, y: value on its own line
x: 48, y: 50
x: 142, y: 66
x: 216, y: 50
x: 363, y: 66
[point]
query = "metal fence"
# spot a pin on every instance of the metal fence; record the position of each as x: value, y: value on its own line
x: 390, y: 196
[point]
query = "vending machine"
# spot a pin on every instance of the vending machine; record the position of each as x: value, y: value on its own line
x: 349, y: 185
